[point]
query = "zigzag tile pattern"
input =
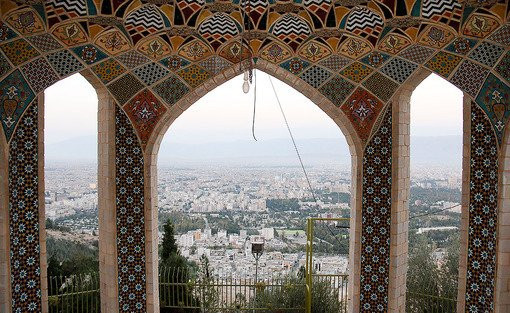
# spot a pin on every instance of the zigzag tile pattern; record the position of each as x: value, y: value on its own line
x: 362, y: 18
x: 147, y: 17
x: 439, y: 7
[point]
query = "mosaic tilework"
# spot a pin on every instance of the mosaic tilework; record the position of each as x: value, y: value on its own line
x: 336, y: 90
x: 125, y: 87
x: 461, y: 45
x: 171, y: 90
x: 5, y: 32
x: 5, y: 67
x: 483, y: 214
x: 132, y: 59
x: 15, y: 96
x: 443, y: 63
x: 150, y: 73
x: 144, y: 111
x: 214, y: 65
x: 315, y: 76
x: 502, y: 35
x: 376, y: 215
x: 503, y: 67
x: 295, y: 65
x: 356, y: 71
x: 194, y: 75
x: 487, y: 53
x: 375, y: 59
x: 175, y: 63
x: 64, y: 63
x: 130, y: 216
x: 108, y: 70
x: 494, y: 98
x: 417, y: 54
x: 381, y: 86
x: 24, y: 215
x: 469, y: 77
x: 89, y: 54
x: 45, y: 42
x: 335, y: 62
x: 39, y: 74
x: 362, y: 109
x: 19, y: 51
x: 399, y: 69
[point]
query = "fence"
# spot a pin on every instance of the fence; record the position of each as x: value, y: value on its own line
x: 180, y: 289
x: 424, y: 302
x: 74, y: 294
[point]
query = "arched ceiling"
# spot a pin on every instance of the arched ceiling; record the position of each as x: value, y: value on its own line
x: 151, y: 53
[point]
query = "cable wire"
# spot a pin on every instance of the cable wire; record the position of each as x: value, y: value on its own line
x: 299, y: 155
x: 254, y: 103
x: 435, y: 212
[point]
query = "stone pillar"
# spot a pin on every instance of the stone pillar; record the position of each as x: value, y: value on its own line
x: 502, y: 292
x: 5, y: 285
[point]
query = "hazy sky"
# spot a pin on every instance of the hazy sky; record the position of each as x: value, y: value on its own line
x: 225, y: 114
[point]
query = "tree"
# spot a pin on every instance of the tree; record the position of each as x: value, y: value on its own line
x: 170, y: 255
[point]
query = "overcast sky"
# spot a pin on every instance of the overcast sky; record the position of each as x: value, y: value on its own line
x: 225, y: 114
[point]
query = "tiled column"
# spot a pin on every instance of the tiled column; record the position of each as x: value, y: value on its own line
x: 5, y: 287
x: 502, y: 299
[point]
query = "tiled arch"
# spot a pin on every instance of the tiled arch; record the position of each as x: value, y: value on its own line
x: 347, y: 59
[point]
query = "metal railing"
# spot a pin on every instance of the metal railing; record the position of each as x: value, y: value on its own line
x: 74, y: 294
x: 337, y: 283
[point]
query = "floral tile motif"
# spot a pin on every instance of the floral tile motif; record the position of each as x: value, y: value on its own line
x: 315, y: 76
x: 70, y: 34
x: 335, y: 62
x: 132, y: 59
x: 40, y: 74
x: 461, y: 45
x: 45, y: 42
x: 150, y: 73
x: 494, y: 98
x: 130, y: 216
x: 90, y: 54
x: 24, y: 215
x: 356, y: 71
x: 417, y: 54
x: 214, y: 65
x: 503, y: 67
x: 362, y: 109
x: 108, y: 70
x: 375, y: 59
x: 483, y: 214
x: 15, y: 96
x: 399, y: 69
x: 376, y: 218
x: 125, y: 87
x: 443, y: 63
x: 26, y: 21
x: 295, y: 65
x: 144, y: 111
x: 19, y: 51
x: 336, y: 90
x: 5, y: 32
x: 381, y: 86
x: 487, y: 53
x: 502, y: 35
x: 5, y: 67
x: 64, y: 63
x: 175, y: 63
x: 194, y: 75
x: 469, y: 77
x: 171, y: 90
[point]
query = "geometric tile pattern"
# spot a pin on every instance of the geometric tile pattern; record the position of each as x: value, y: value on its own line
x: 15, y: 96
x: 175, y: 63
x: 90, y: 54
x: 443, y: 63
x: 362, y: 109
x: 461, y: 45
x: 399, y: 69
x: 132, y: 59
x: 375, y: 59
x: 130, y: 216
x: 214, y: 64
x: 483, y: 214
x: 336, y: 90
x: 24, y: 214
x: 381, y: 86
x: 356, y: 71
x: 487, y: 53
x: 417, y: 53
x: 150, y: 73
x: 171, y: 89
x: 64, y: 63
x: 5, y: 67
x: 502, y: 35
x: 19, y: 51
x: 45, y: 42
x: 108, y: 70
x: 194, y: 75
x: 315, y: 76
x: 376, y: 218
x: 494, y: 99
x: 39, y: 74
x: 295, y: 65
x: 469, y: 77
x: 335, y: 62
x: 125, y: 87
x: 144, y: 111
x: 503, y: 67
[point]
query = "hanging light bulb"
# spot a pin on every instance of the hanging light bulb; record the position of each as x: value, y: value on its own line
x: 246, y: 84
